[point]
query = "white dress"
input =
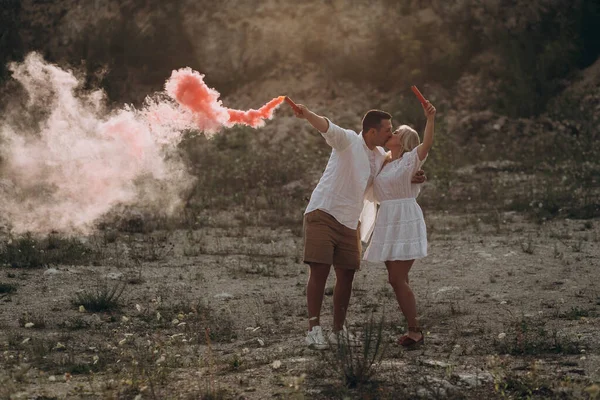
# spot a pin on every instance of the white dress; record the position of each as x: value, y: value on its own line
x: 399, y: 232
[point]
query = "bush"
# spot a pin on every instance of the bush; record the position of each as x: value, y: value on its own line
x: 7, y: 288
x: 530, y: 336
x: 538, y: 45
x: 357, y: 365
x: 10, y: 40
x: 235, y: 168
x: 29, y: 252
x: 104, y: 298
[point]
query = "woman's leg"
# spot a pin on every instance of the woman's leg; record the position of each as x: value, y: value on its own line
x: 398, y: 278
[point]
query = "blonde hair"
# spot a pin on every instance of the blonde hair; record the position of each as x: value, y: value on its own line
x: 410, y: 138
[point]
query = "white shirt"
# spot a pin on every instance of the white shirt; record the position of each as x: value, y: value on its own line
x: 373, y: 165
x: 344, y: 191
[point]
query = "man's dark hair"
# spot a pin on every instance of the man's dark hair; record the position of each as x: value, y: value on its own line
x: 373, y: 118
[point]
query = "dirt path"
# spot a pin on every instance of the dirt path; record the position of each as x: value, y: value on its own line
x: 510, y: 307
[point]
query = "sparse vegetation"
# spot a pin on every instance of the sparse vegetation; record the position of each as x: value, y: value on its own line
x: 213, y: 296
x: 358, y: 365
x: 528, y: 246
x: 30, y: 252
x: 7, y: 288
x: 528, y: 336
x: 103, y: 298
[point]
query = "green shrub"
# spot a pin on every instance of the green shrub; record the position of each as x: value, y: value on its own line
x: 236, y: 168
x: 7, y: 288
x: 29, y: 252
x: 530, y: 336
x: 104, y: 298
x: 357, y: 365
x: 23, y: 252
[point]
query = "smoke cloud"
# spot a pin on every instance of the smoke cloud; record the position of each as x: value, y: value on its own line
x: 65, y: 160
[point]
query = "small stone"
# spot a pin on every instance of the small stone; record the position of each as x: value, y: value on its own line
x: 51, y: 271
x: 436, y: 363
x: 223, y: 296
x: 114, y: 275
x: 124, y: 318
x: 52, y: 378
x: 501, y: 335
x: 29, y: 325
x: 276, y: 364
x: 175, y: 321
x: 260, y: 342
x: 475, y: 379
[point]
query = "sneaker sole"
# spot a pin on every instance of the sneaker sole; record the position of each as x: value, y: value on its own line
x: 314, y: 346
x: 351, y: 344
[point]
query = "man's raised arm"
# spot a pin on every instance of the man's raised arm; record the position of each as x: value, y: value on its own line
x: 319, y: 123
x: 335, y: 136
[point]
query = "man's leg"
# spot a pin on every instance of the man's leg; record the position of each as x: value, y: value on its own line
x: 341, y: 296
x: 315, y: 289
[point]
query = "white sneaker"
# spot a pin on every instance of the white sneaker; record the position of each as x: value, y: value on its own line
x: 315, y: 339
x: 344, y: 337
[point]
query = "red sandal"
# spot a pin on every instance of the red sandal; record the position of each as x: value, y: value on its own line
x: 409, y: 343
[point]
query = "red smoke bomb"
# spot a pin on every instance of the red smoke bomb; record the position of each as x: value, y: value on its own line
x: 293, y: 105
x: 419, y: 95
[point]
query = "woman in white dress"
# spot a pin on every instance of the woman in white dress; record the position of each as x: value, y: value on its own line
x: 399, y: 236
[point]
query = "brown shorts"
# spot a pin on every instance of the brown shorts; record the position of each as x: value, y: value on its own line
x: 326, y: 241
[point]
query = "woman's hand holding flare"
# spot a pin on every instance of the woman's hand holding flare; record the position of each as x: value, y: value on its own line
x: 429, y: 110
x: 423, y: 148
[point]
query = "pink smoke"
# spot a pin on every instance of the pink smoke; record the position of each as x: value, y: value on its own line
x: 188, y: 88
x: 65, y: 171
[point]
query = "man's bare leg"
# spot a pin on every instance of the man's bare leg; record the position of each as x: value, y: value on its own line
x: 341, y: 296
x: 315, y: 290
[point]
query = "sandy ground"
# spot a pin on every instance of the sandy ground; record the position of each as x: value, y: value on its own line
x: 510, y: 309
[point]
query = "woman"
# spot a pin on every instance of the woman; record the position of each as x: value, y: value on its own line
x: 399, y: 236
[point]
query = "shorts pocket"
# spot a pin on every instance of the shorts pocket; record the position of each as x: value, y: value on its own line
x: 312, y: 216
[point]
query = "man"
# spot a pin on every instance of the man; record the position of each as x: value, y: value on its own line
x: 331, y: 220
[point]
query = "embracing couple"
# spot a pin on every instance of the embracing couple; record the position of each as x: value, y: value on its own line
x: 343, y: 211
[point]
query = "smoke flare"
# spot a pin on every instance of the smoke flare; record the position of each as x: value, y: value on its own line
x: 188, y: 88
x: 65, y: 160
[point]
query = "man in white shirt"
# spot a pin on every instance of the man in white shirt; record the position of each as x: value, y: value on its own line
x: 332, y: 221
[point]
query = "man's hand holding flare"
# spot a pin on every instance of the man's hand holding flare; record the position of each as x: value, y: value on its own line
x: 293, y: 105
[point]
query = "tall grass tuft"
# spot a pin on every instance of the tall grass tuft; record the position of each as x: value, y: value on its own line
x: 104, y: 298
x: 357, y: 364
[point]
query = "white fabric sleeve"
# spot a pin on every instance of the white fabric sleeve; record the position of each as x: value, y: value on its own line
x: 337, y: 137
x: 415, y: 163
